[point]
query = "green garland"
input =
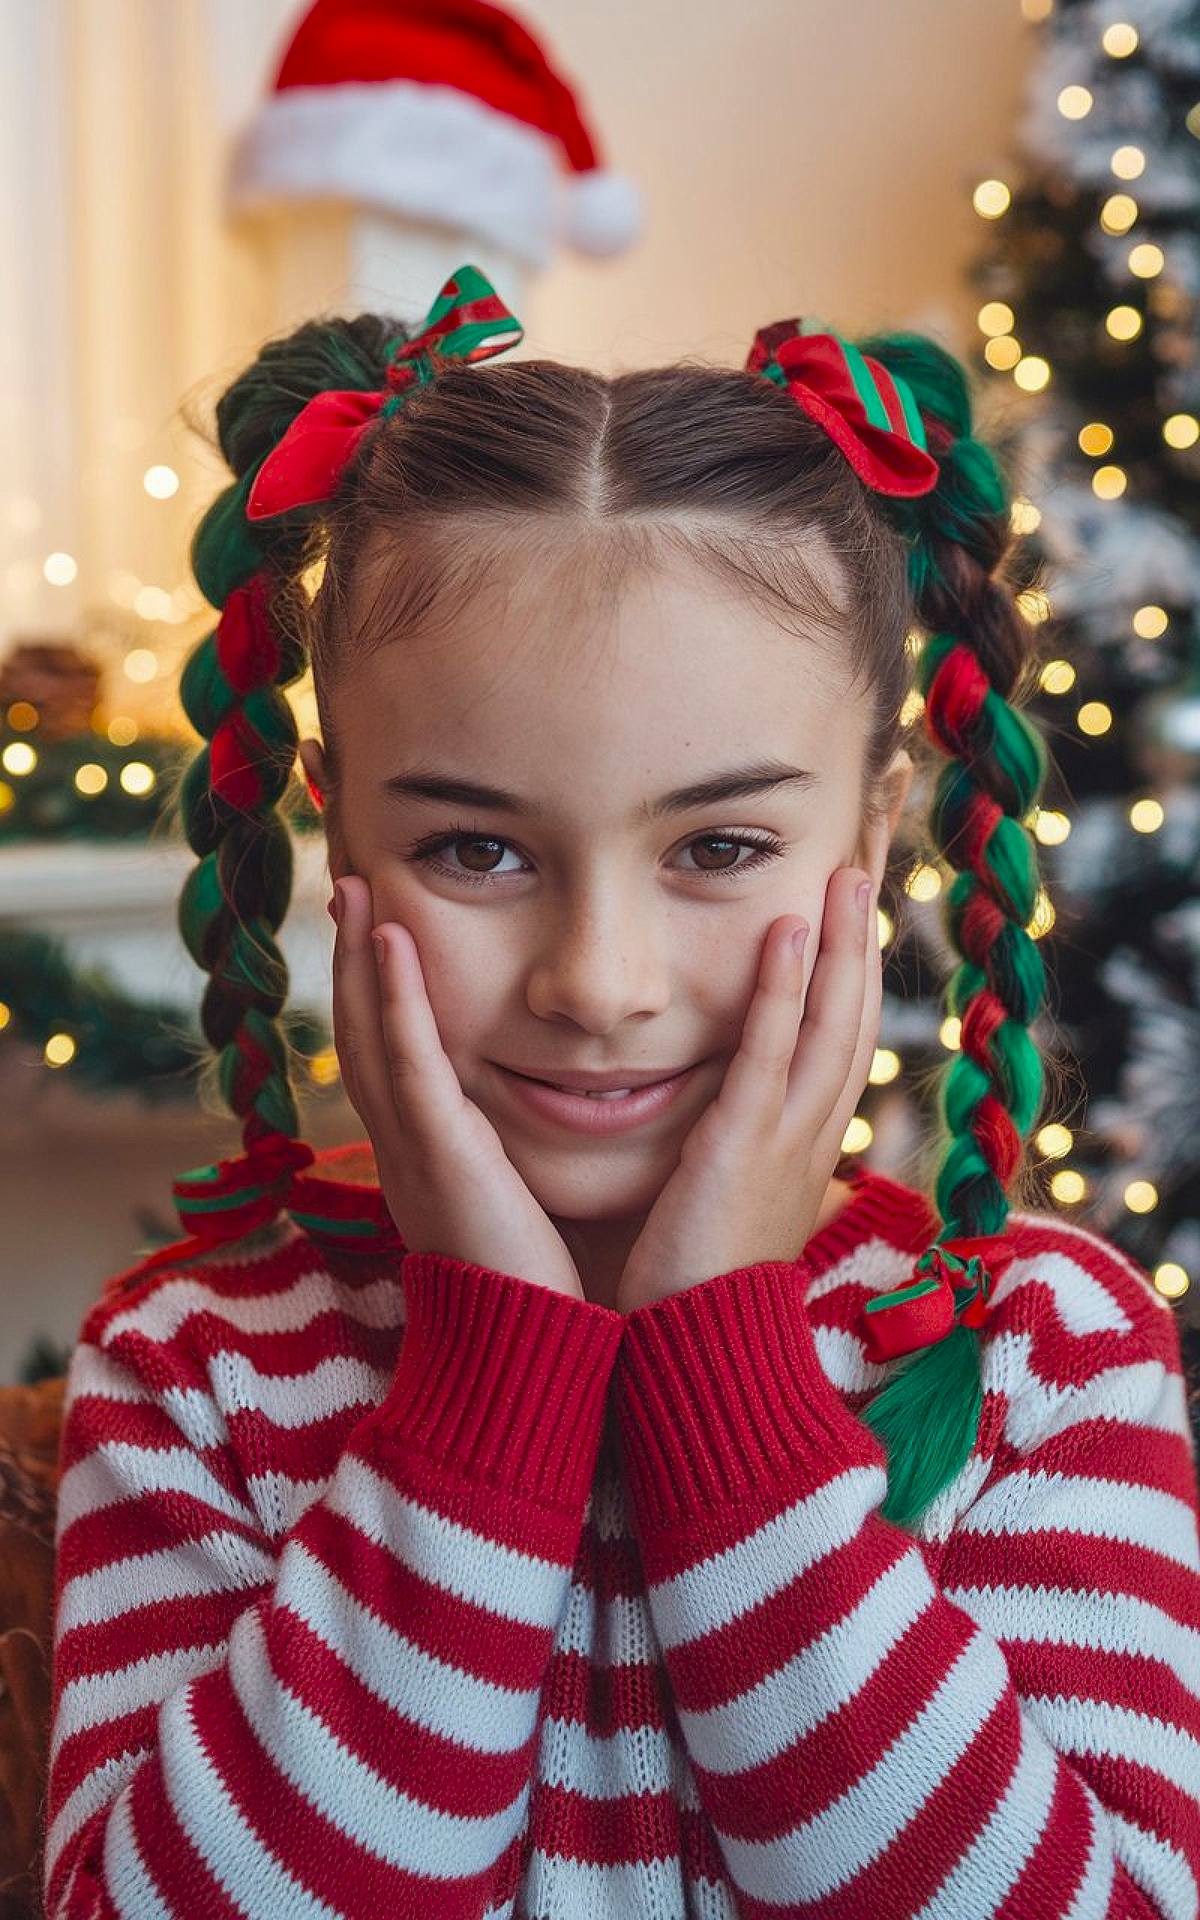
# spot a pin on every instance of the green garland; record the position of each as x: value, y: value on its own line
x: 153, y: 1048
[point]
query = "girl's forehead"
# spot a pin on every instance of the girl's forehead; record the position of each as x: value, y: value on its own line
x: 642, y: 641
x: 626, y: 684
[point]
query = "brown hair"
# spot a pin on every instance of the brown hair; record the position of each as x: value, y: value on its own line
x: 718, y: 464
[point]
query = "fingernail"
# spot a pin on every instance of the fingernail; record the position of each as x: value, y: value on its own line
x: 863, y: 894
x: 799, y: 936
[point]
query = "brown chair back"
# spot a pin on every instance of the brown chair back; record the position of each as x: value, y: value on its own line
x: 30, y: 1420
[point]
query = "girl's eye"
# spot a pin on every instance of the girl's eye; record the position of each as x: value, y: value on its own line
x: 426, y: 853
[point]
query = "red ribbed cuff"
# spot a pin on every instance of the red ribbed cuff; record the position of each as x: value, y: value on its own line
x: 501, y: 1380
x: 721, y: 1396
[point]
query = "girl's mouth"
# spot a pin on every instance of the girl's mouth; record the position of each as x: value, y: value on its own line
x: 592, y: 1113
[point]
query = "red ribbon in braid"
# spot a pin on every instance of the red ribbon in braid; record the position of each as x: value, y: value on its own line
x: 468, y: 321
x: 869, y: 412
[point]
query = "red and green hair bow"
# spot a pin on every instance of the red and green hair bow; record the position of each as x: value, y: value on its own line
x: 870, y: 413
x: 950, y: 1286
x: 468, y: 321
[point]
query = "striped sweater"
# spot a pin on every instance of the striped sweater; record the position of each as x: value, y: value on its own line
x: 388, y: 1584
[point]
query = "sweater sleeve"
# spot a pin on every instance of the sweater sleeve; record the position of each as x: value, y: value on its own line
x: 862, y: 1741
x: 342, y: 1722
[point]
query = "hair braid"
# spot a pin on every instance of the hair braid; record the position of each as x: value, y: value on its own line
x: 234, y: 900
x: 978, y: 642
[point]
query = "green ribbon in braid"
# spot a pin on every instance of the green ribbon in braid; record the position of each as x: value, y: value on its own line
x: 927, y: 1413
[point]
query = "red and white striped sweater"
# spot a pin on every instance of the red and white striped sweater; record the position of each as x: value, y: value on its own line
x: 364, y: 1607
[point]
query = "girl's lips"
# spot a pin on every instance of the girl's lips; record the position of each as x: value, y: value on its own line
x: 582, y: 1115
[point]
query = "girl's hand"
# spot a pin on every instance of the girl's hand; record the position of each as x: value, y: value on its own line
x: 448, y: 1183
x: 754, y: 1169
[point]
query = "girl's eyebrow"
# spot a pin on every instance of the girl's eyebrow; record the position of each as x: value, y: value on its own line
x: 737, y: 783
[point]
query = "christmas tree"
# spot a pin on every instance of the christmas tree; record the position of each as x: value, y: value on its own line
x: 1089, y: 376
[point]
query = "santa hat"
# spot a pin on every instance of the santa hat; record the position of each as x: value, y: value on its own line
x: 441, y: 110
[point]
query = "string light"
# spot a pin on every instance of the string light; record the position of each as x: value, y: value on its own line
x: 1150, y: 623
x: 160, y: 482
x: 1119, y: 213
x: 1050, y: 828
x: 1147, y: 260
x: 995, y: 317
x: 1068, y: 1185
x: 1032, y: 373
x: 122, y: 730
x: 323, y: 1068
x: 59, y: 1049
x: 1057, y: 676
x: 1095, y: 438
x: 153, y: 603
x: 1146, y: 816
x: 59, y: 569
x: 1109, y: 483
x: 1171, y: 1280
x: 923, y: 883
x: 22, y: 716
x: 140, y: 665
x: 885, y: 924
x: 1192, y: 121
x: 1054, y: 1140
x: 1075, y: 103
x: 913, y: 707
x: 885, y: 1065
x: 1003, y: 353
x: 1094, y: 718
x: 950, y: 1033
x: 1181, y: 430
x: 1043, y: 916
x: 991, y: 199
x: 90, y: 778
x: 1119, y: 40
x: 18, y: 757
x: 1123, y: 323
x: 858, y: 1134
x: 1024, y: 517
x: 1128, y: 163
x: 1141, y: 1196
x: 1035, y: 605
x: 137, y: 778
x: 5, y: 1015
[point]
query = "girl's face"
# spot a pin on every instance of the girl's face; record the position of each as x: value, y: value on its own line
x: 600, y: 917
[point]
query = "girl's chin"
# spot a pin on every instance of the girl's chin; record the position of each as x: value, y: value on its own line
x: 601, y: 1189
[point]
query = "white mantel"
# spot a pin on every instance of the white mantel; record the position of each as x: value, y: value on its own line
x: 114, y: 906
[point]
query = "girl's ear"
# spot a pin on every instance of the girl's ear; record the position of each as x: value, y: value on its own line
x: 896, y: 781
x: 312, y: 759
x: 878, y: 831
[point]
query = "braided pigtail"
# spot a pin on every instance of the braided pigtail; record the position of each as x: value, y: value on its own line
x: 927, y: 1415
x: 234, y: 900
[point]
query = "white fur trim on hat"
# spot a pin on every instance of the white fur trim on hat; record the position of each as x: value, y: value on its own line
x: 431, y: 153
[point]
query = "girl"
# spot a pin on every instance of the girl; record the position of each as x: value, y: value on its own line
x: 560, y: 1506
